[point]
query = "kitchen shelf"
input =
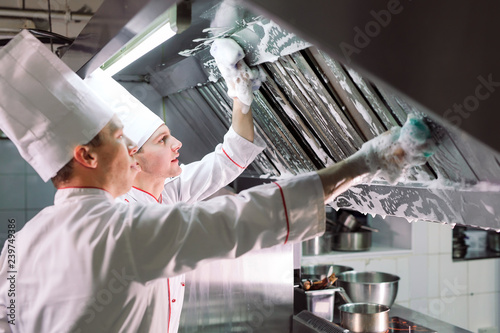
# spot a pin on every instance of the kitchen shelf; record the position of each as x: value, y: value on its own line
x: 392, y: 240
x: 375, y: 251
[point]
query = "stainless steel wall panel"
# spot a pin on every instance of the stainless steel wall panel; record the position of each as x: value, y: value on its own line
x: 183, y: 75
x: 284, y: 143
x: 209, y: 134
x: 301, y: 127
x: 373, y: 99
x: 253, y: 293
x: 393, y: 105
x: 315, y: 105
x: 201, y: 111
x: 304, y: 77
x: 325, y: 126
x: 220, y: 105
x: 355, y: 104
x: 484, y: 161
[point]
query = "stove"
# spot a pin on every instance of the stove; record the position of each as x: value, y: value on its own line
x: 397, y: 324
x: 307, y: 322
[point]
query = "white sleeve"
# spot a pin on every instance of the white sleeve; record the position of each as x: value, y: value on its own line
x: 201, y: 179
x: 167, y: 240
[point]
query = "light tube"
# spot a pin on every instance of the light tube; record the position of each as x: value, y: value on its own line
x: 150, y: 42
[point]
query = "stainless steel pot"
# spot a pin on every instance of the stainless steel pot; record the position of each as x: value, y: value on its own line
x: 364, y: 317
x: 351, y: 223
x: 317, y: 245
x: 352, y: 241
x: 369, y: 287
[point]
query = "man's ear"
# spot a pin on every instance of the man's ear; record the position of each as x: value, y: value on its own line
x: 85, y: 156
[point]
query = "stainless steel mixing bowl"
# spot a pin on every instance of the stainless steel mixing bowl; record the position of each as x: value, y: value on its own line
x: 369, y: 287
x: 320, y: 271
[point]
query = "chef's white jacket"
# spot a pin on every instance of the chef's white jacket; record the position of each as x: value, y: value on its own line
x: 76, y: 260
x: 197, y: 181
x: 201, y: 179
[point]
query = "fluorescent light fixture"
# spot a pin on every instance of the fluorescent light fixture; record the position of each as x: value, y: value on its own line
x: 137, y: 47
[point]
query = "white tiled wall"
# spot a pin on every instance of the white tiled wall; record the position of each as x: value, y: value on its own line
x: 22, y: 192
x: 464, y: 293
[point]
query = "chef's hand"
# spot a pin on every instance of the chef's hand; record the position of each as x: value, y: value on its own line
x: 241, y: 80
x: 390, y: 154
x: 387, y: 155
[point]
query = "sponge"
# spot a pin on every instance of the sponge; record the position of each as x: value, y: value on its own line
x: 241, y: 80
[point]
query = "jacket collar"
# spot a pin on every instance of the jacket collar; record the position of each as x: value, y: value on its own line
x: 79, y: 193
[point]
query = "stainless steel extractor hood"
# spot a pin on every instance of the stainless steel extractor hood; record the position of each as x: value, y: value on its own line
x: 317, y: 106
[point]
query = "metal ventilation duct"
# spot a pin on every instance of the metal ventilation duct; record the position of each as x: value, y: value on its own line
x: 312, y: 111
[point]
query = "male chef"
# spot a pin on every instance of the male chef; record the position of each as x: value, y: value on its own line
x: 157, y: 157
x: 76, y: 260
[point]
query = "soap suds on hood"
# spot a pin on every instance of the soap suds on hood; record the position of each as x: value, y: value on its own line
x: 241, y: 80
x: 398, y: 149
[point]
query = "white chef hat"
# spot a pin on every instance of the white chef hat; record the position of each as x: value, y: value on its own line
x: 45, y: 108
x: 139, y: 123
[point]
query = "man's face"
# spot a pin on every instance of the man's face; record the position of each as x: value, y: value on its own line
x: 116, y: 160
x: 158, y: 156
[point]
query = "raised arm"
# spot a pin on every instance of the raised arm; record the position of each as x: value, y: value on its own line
x: 387, y: 155
x: 242, y: 122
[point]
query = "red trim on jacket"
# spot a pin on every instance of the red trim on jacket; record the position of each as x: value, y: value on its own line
x: 169, y: 306
x: 157, y: 200
x: 99, y: 188
x: 239, y: 166
x: 286, y: 213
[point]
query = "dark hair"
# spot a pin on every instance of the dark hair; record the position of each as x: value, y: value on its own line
x: 65, y: 173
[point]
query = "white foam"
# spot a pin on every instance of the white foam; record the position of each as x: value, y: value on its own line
x: 392, y: 153
x: 240, y: 79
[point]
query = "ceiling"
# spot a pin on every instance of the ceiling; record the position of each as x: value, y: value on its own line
x: 68, y: 17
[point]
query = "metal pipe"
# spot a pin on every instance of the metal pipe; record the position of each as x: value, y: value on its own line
x: 50, y: 25
x: 36, y: 14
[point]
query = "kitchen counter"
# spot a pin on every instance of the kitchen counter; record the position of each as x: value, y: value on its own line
x: 424, y: 320
x: 401, y: 319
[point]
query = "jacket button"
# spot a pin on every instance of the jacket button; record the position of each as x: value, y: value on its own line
x: 173, y: 301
